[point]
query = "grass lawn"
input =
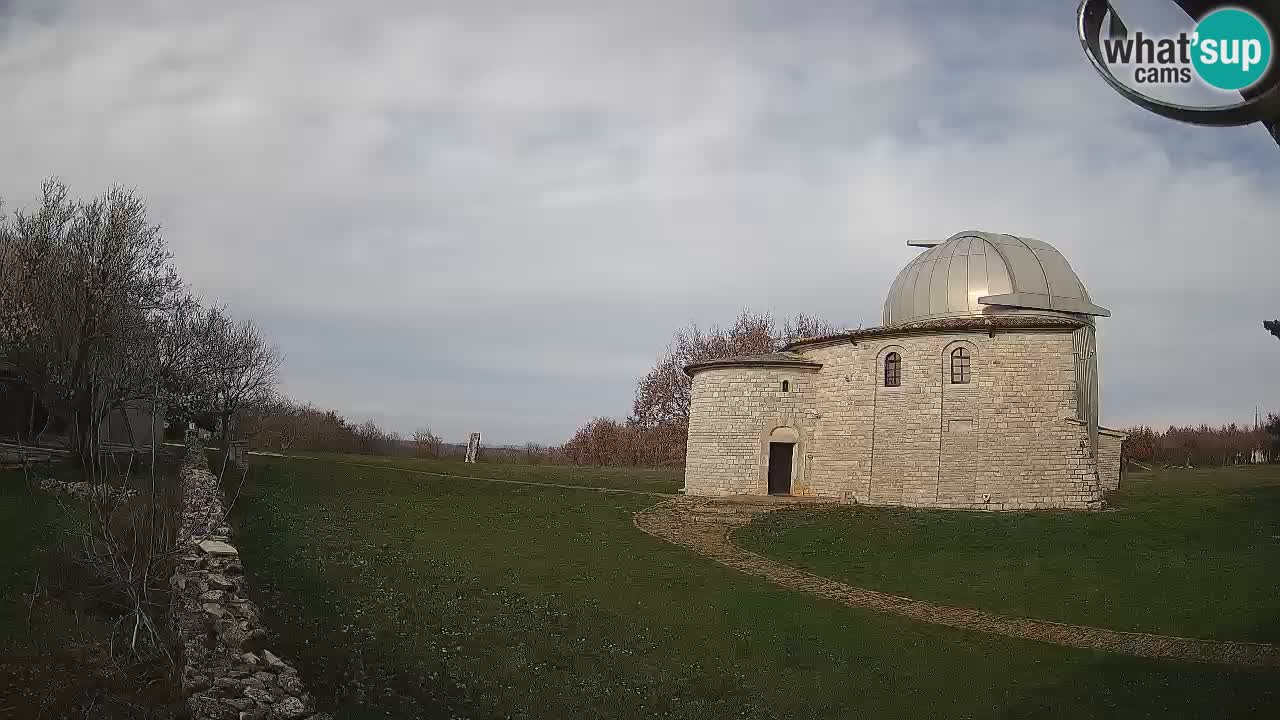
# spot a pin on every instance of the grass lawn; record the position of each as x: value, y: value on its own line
x: 1186, y: 552
x: 406, y: 596
x: 643, y: 479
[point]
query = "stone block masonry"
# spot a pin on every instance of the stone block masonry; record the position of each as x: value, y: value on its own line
x: 1006, y: 439
x: 1109, y: 452
x: 228, y: 670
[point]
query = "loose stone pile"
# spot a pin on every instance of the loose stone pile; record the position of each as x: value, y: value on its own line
x: 84, y: 490
x: 228, y: 673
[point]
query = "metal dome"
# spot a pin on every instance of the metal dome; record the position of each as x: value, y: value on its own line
x: 982, y: 273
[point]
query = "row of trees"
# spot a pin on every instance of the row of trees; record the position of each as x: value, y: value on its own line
x: 606, y: 441
x: 95, y: 319
x: 279, y: 423
x: 1204, y: 445
x: 283, y: 424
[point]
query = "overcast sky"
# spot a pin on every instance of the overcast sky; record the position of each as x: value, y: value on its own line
x: 492, y: 216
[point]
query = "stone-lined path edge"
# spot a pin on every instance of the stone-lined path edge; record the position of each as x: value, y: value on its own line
x: 706, y: 525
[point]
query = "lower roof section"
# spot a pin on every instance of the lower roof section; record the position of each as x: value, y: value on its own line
x: 982, y: 323
x: 784, y: 359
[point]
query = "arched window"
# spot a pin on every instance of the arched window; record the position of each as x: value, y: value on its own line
x: 892, y: 370
x: 786, y: 386
x: 960, y: 366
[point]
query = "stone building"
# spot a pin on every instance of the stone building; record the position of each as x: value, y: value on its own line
x: 979, y: 391
x: 22, y: 416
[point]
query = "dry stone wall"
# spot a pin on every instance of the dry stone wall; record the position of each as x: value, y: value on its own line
x: 229, y: 672
x: 1003, y: 441
x: 84, y: 490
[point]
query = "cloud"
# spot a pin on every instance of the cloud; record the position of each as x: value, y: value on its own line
x: 492, y: 217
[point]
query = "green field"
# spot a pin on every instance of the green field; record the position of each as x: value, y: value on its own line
x: 639, y: 479
x: 1192, y: 553
x: 54, y: 656
x: 406, y: 595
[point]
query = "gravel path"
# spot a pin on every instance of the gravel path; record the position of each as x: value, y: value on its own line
x: 706, y: 526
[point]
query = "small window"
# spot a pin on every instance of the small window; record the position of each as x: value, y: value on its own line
x: 785, y: 386
x: 892, y: 370
x: 960, y: 366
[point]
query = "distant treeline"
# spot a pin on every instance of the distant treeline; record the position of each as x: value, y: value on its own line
x: 283, y: 424
x: 286, y: 425
x: 1204, y: 445
x: 656, y: 432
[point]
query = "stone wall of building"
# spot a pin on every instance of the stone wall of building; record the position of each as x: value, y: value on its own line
x: 732, y: 412
x: 1004, y: 441
x: 1109, y: 442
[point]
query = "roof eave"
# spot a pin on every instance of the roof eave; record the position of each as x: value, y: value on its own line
x: 693, y: 368
x: 969, y: 323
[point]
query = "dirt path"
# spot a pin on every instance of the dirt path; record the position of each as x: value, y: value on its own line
x: 706, y: 526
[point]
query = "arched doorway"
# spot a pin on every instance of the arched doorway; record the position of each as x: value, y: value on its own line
x: 782, y: 446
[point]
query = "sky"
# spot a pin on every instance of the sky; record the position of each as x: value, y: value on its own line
x: 492, y: 216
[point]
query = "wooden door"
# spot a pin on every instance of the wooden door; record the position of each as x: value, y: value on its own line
x: 780, y: 468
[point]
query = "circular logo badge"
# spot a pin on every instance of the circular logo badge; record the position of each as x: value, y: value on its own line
x: 1232, y: 49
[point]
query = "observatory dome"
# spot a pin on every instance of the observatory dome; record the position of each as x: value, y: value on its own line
x: 975, y: 273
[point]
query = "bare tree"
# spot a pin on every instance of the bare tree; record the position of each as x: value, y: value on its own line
x: 805, y: 326
x: 189, y: 351
x: 373, y: 440
x: 662, y: 395
x: 427, y: 443
x: 280, y: 423
x: 246, y: 371
x: 1201, y: 445
x: 657, y: 431
x: 88, y: 281
x: 12, y: 323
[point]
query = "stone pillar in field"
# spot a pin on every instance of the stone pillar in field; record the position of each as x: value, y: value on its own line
x: 473, y: 446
